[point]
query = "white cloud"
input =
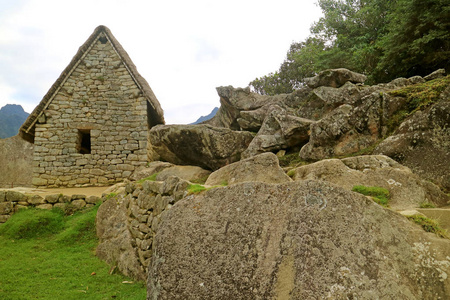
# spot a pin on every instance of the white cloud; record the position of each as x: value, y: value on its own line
x: 183, y: 48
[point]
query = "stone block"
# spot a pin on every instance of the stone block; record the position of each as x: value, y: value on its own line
x: 39, y: 181
x: 6, y: 208
x: 79, y: 203
x: 92, y: 199
x: 78, y: 197
x: 45, y: 206
x: 14, y: 196
x: 4, y: 218
x: 36, y: 200
x: 2, y: 196
x: 52, y: 198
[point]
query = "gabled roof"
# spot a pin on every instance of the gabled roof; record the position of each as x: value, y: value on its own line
x: 156, y: 114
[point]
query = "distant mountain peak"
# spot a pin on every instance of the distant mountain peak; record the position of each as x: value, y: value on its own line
x: 206, y: 118
x: 11, y: 118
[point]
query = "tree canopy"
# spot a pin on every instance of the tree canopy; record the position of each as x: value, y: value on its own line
x: 383, y: 39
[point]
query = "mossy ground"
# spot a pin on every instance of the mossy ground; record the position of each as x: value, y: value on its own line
x: 429, y: 225
x: 49, y: 255
x: 379, y: 195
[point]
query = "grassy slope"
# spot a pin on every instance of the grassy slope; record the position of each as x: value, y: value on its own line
x: 41, y: 258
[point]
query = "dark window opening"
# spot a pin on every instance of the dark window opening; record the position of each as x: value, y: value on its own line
x: 103, y: 39
x: 84, y: 141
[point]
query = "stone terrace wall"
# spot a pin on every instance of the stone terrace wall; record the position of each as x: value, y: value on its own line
x: 100, y: 96
x: 128, y: 222
x: 12, y: 201
x: 16, y: 159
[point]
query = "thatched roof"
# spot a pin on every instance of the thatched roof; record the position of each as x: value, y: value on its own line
x: 156, y: 114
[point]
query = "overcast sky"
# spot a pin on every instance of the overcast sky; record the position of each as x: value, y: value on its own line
x: 184, y: 49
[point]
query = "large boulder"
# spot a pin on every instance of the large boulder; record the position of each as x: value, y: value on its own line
x: 422, y: 142
x: 407, y: 190
x: 199, y: 145
x: 264, y: 168
x: 334, y: 78
x: 280, y: 130
x: 345, y: 130
x: 190, y: 173
x: 16, y: 161
x: 302, y: 240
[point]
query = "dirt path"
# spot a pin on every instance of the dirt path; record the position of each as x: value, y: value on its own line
x: 88, y: 191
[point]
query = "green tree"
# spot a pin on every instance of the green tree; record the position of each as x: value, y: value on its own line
x: 418, y: 40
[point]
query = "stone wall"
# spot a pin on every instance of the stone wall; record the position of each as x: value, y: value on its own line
x: 100, y: 101
x: 16, y: 159
x: 128, y: 222
x: 12, y: 201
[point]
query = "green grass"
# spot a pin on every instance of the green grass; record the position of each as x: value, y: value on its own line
x: 49, y: 255
x: 151, y: 178
x: 379, y: 195
x: 195, y: 188
x: 429, y: 225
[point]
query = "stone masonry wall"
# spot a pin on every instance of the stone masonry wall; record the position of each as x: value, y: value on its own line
x: 102, y: 98
x: 127, y: 222
x: 12, y: 201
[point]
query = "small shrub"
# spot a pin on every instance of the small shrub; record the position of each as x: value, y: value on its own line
x: 429, y: 225
x: 291, y: 173
x: 291, y: 160
x: 379, y: 195
x: 427, y: 204
x: 32, y: 223
x: 110, y: 195
x: 151, y: 178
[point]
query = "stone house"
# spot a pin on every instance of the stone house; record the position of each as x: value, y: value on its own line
x: 91, y: 128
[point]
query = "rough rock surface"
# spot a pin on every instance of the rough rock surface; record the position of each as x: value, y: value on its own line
x: 423, y: 142
x: 407, y: 190
x: 302, y: 240
x: 345, y: 130
x: 199, y: 145
x: 190, y: 173
x: 334, y: 78
x: 279, y: 131
x: 152, y: 168
x: 16, y: 160
x: 116, y: 240
x: 263, y: 168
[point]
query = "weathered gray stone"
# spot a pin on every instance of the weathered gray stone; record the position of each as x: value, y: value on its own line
x: 407, y: 190
x: 36, y: 200
x: 190, y: 173
x: 52, y: 198
x: 152, y: 168
x: 4, y: 218
x: 422, y: 142
x: 2, y: 196
x: 279, y: 131
x: 334, y: 78
x: 199, y: 145
x: 78, y: 204
x: 116, y: 242
x: 436, y: 74
x: 45, y: 206
x: 263, y: 168
x: 5, y: 208
x: 92, y: 199
x: 14, y: 196
x: 266, y: 241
